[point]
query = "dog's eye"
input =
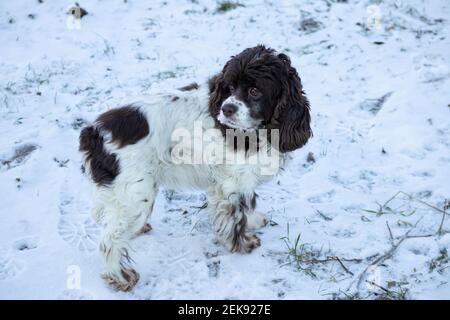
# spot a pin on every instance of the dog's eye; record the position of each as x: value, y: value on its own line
x: 254, y: 92
x: 231, y: 88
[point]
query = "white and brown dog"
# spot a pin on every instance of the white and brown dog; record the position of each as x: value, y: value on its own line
x: 129, y: 152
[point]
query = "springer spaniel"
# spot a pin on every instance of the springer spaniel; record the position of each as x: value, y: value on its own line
x: 254, y: 109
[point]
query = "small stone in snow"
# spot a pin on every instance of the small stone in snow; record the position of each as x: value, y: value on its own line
x: 77, y: 11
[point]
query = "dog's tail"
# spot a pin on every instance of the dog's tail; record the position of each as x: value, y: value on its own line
x: 90, y: 141
x: 103, y: 166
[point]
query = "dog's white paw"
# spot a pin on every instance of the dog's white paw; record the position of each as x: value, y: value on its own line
x: 256, y: 220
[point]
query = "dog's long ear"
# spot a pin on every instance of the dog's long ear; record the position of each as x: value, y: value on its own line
x: 216, y: 91
x: 291, y: 115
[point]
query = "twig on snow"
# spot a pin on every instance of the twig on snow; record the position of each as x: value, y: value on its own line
x: 391, y: 237
x: 385, y: 256
x: 447, y: 205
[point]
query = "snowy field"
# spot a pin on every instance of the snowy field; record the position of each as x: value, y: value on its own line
x: 377, y: 74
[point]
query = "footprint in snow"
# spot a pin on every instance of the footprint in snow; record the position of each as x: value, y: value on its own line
x: 322, y: 197
x: 18, y: 157
x: 10, y: 266
x: 80, y: 233
x: 75, y: 225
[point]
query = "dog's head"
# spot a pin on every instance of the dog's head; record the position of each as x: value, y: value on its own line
x: 257, y: 89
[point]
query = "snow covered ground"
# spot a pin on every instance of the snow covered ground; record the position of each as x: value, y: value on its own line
x: 377, y: 74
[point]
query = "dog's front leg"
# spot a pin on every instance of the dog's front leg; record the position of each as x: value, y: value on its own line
x: 229, y: 217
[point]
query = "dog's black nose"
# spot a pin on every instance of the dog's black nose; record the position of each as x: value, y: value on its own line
x: 229, y: 109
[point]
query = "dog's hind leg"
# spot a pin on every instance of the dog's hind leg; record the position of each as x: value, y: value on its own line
x: 114, y: 250
x: 124, y: 216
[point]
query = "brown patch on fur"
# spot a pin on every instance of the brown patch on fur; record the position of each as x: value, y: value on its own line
x: 146, y: 228
x: 239, y: 233
x: 243, y: 205
x: 127, y: 125
x: 104, y: 166
x: 253, y: 201
x: 246, y: 204
x: 190, y: 87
